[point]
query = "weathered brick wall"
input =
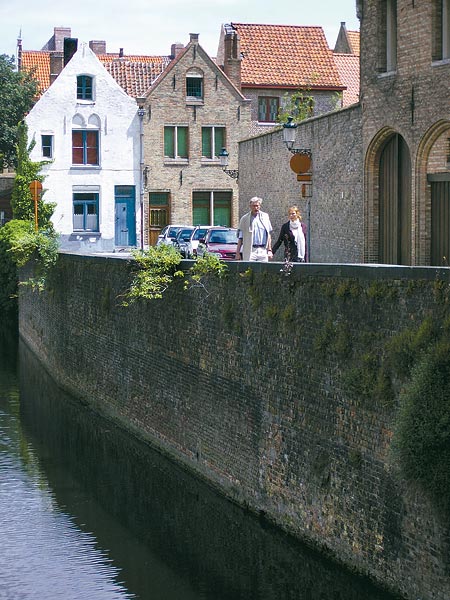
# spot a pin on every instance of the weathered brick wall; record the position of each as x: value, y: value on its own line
x: 244, y: 382
x: 335, y: 139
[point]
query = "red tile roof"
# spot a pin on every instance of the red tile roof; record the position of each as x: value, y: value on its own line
x: 39, y: 64
x: 348, y: 67
x: 354, y: 41
x: 134, y: 73
x: 286, y: 56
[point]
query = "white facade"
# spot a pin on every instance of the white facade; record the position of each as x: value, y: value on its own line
x: 91, y: 131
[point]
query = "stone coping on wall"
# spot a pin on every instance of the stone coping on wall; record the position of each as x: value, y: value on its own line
x: 359, y: 270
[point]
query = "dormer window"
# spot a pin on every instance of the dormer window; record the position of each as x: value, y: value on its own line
x: 194, y: 86
x: 85, y: 87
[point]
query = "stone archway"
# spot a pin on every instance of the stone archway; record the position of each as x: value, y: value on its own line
x: 432, y: 187
x: 388, y: 209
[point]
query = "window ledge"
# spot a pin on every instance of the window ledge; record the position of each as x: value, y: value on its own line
x: 387, y: 74
x: 210, y: 161
x: 175, y: 161
x: 191, y: 100
x: 85, y: 234
x: 440, y: 63
x: 85, y: 167
x: 81, y: 102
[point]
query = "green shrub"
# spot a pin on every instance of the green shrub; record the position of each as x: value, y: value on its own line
x: 422, y: 433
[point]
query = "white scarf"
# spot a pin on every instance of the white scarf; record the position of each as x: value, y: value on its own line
x: 299, y: 237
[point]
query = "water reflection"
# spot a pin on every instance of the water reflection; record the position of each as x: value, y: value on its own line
x: 44, y: 554
x: 172, y: 536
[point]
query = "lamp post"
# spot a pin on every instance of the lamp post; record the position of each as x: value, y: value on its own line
x: 300, y: 164
x: 223, y: 156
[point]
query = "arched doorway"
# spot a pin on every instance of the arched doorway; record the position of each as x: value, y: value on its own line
x: 394, y: 185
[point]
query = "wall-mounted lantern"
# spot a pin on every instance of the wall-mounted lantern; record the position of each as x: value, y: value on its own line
x: 289, y: 129
x: 223, y: 156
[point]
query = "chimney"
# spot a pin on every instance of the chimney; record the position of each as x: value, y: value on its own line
x: 98, y: 46
x: 59, y: 33
x: 175, y: 49
x: 232, y: 58
x: 194, y: 37
x: 120, y: 52
x: 56, y: 65
x: 70, y: 47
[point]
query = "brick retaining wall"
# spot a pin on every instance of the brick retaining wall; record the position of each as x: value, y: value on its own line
x: 243, y: 382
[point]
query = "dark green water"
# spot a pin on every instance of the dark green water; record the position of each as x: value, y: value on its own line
x: 87, y: 512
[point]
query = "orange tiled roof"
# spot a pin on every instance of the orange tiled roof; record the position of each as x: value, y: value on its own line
x: 286, y: 56
x: 353, y: 40
x: 134, y: 73
x: 39, y: 63
x: 348, y: 67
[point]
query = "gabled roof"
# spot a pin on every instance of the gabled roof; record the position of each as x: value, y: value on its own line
x: 134, y: 73
x: 348, y: 67
x: 286, y: 56
x: 354, y: 41
x: 207, y: 58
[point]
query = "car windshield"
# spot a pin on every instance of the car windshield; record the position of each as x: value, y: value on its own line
x: 199, y: 234
x: 172, y: 233
x: 184, y: 234
x: 227, y: 236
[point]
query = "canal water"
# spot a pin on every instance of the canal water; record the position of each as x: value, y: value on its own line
x: 88, y: 512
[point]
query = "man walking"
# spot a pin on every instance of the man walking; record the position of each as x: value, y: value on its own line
x: 254, y: 234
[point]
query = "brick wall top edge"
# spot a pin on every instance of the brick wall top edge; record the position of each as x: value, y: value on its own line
x: 337, y: 270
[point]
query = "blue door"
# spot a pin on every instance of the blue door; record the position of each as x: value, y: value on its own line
x: 125, y: 213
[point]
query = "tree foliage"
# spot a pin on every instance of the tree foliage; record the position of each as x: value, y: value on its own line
x: 26, y: 172
x: 17, y: 91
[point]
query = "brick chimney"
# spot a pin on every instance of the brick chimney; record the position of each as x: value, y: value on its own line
x: 175, y: 49
x: 194, y: 37
x: 98, y: 46
x: 60, y: 33
x: 232, y: 58
x: 56, y: 64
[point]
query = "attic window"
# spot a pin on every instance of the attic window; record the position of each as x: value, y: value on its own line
x: 84, y: 87
x: 194, y: 86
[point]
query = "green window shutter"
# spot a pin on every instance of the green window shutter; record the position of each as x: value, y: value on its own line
x: 182, y: 140
x: 219, y: 140
x: 169, y: 142
x: 200, y: 208
x: 206, y: 142
x: 222, y: 209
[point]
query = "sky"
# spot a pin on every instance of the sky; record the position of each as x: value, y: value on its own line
x: 151, y: 27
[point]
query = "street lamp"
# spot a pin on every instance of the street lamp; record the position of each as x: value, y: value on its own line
x: 289, y: 138
x: 223, y: 156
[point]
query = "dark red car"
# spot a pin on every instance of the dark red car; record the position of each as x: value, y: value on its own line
x: 221, y: 241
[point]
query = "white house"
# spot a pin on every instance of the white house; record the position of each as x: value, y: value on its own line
x: 90, y: 130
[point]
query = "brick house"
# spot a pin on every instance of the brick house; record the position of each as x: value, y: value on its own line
x: 405, y: 79
x: 346, y: 56
x: 192, y: 111
x: 268, y: 62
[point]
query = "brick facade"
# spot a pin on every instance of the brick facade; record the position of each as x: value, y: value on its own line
x: 166, y: 104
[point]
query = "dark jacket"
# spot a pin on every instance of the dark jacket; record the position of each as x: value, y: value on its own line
x: 290, y: 247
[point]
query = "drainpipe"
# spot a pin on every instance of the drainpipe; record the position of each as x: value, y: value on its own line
x: 141, y: 113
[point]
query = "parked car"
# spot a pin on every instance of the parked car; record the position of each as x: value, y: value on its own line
x: 197, y: 237
x: 221, y: 241
x: 181, y: 241
x: 168, y: 234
